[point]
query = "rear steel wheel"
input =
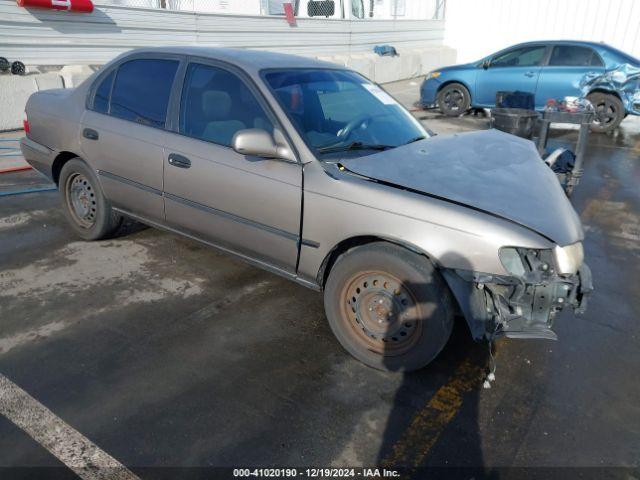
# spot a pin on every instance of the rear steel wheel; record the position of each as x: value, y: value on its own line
x: 609, y: 112
x: 81, y: 200
x: 85, y: 206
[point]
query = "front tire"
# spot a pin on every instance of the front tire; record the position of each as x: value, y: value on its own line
x: 388, y: 307
x: 88, y: 211
x: 609, y: 112
x: 454, y: 99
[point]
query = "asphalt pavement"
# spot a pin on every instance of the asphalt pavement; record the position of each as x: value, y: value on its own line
x: 167, y: 359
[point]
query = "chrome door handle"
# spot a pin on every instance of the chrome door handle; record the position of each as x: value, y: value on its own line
x: 529, y: 74
x: 90, y: 134
x: 179, y: 161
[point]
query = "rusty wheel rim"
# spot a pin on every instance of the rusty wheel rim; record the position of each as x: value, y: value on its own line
x: 382, y: 313
x: 81, y: 200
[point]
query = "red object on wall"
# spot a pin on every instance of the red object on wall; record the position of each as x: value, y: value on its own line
x: 288, y: 12
x: 85, y: 6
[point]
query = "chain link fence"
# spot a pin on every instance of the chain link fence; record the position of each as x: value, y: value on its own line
x: 333, y: 9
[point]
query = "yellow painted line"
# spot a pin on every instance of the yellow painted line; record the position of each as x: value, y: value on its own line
x: 429, y: 423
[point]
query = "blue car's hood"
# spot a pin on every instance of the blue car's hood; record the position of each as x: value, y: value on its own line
x: 488, y: 170
x: 453, y: 68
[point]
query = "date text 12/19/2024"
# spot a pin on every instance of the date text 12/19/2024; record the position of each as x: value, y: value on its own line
x: 315, y: 473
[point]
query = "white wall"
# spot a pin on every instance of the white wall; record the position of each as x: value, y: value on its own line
x: 476, y: 28
x: 47, y: 37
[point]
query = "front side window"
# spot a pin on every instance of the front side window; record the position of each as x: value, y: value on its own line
x: 216, y: 104
x: 103, y: 92
x: 337, y: 110
x: 141, y: 91
x: 573, y: 56
x: 519, y: 57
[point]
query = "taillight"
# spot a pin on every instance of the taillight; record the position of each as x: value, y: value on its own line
x: 25, y: 123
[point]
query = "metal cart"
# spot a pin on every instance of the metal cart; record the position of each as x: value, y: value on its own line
x: 583, y: 119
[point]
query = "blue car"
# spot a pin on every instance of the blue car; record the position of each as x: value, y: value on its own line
x: 609, y: 78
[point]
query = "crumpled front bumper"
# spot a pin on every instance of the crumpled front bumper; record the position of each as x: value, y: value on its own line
x: 496, y: 305
x: 429, y: 93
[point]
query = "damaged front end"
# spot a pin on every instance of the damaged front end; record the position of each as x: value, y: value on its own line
x: 525, y: 303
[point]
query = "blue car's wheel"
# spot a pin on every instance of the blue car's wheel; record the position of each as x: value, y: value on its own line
x: 609, y: 111
x: 454, y: 99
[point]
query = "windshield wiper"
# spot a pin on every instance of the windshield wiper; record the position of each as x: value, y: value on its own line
x: 417, y: 139
x: 353, y: 146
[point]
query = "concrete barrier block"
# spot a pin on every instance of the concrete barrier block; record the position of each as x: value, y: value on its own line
x: 14, y: 93
x: 74, y: 75
x: 362, y: 63
x: 387, y: 69
x: 341, y: 60
x: 410, y: 64
x: 430, y: 59
x: 449, y: 56
x: 47, y: 81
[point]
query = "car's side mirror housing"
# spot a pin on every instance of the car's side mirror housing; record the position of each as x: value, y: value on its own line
x: 486, y: 64
x: 260, y: 143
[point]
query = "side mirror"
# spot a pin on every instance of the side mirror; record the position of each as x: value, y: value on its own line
x: 260, y: 143
x: 486, y: 64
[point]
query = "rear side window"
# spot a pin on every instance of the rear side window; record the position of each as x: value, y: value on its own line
x: 101, y: 99
x: 520, y: 57
x: 141, y: 91
x: 216, y: 104
x: 572, y: 56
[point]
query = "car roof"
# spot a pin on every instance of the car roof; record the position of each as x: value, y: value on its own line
x: 247, y: 59
x: 584, y: 43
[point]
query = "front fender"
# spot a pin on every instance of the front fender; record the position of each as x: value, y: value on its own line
x: 339, y: 207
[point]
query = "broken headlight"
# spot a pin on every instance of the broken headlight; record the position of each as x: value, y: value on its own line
x: 511, y: 261
x: 528, y: 264
x: 568, y: 259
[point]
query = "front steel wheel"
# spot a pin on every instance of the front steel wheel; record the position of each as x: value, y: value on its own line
x: 454, y: 99
x: 381, y: 311
x: 388, y: 307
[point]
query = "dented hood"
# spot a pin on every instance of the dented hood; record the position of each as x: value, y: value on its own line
x: 489, y: 170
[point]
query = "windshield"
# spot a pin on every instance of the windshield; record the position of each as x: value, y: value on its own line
x: 339, y: 110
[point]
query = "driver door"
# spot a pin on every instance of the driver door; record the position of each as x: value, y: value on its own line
x: 248, y: 205
x: 516, y: 69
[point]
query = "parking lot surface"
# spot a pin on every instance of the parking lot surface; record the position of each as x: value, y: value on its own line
x: 162, y: 352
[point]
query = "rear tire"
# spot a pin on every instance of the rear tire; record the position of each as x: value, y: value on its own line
x: 609, y: 112
x: 88, y: 211
x: 388, y: 307
x: 454, y: 99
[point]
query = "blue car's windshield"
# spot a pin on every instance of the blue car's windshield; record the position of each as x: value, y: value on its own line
x: 340, y: 111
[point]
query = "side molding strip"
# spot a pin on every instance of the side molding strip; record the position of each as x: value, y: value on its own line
x: 131, y: 183
x: 231, y: 216
x: 205, y: 208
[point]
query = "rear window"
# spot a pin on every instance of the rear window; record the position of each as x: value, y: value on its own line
x: 101, y: 99
x: 142, y: 89
x: 573, y: 56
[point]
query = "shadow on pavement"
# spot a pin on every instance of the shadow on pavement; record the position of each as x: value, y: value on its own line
x: 424, y: 433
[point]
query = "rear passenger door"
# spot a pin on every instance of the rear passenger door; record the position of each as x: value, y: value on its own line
x: 248, y: 205
x: 569, y: 69
x: 122, y: 132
